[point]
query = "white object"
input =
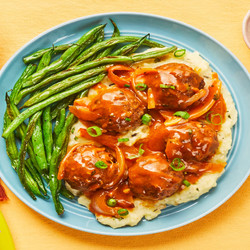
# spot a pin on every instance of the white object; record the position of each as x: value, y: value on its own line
x: 246, y: 29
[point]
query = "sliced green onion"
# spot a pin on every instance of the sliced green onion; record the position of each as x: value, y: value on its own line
x: 164, y: 86
x: 101, y: 165
x: 123, y: 139
x: 94, y: 131
x: 141, y: 86
x: 123, y: 212
x: 179, y: 52
x: 182, y: 114
x: 126, y: 85
x: 146, y: 119
x: 186, y: 183
x: 141, y: 152
x: 210, y: 120
x: 111, y: 202
x: 180, y: 165
x: 127, y: 119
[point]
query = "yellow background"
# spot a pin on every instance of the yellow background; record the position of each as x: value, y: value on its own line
x: 228, y: 226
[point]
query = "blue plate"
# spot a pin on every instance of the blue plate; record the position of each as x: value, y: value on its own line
x: 168, y: 32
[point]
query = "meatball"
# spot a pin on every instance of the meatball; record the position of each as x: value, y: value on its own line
x: 152, y: 178
x: 119, y: 109
x: 191, y: 141
x: 80, y: 168
x: 173, y: 85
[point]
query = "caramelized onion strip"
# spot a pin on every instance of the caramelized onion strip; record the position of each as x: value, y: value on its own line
x: 120, y: 79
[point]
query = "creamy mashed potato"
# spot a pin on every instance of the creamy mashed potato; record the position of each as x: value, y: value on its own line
x: 150, y: 210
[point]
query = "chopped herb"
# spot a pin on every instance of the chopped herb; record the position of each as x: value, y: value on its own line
x: 179, y: 52
x: 123, y: 139
x: 126, y: 85
x: 182, y: 114
x: 164, y: 86
x: 94, y: 131
x: 141, y: 86
x: 146, y: 119
x: 73, y: 130
x: 177, y: 164
x: 75, y: 138
x: 186, y: 183
x: 127, y: 119
x: 123, y: 212
x: 101, y: 164
x: 210, y: 118
x: 140, y: 153
x: 111, y: 202
x: 216, y: 97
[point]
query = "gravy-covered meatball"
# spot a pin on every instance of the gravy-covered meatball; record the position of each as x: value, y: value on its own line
x: 114, y: 109
x: 119, y: 108
x: 87, y: 168
x: 151, y: 177
x: 175, y: 86
x: 191, y: 141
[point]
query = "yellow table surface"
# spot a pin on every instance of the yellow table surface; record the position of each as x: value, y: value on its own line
x: 225, y: 228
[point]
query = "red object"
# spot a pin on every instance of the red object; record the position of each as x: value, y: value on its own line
x: 3, y: 196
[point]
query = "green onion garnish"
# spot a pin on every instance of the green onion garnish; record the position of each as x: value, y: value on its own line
x: 180, y: 165
x: 179, y: 52
x: 146, y: 119
x: 94, y: 131
x: 127, y: 119
x: 101, y: 165
x: 182, y: 114
x: 164, y: 86
x: 210, y: 120
x: 186, y: 183
x: 126, y: 85
x: 123, y: 139
x: 141, y: 152
x: 111, y: 202
x: 141, y: 86
x: 123, y: 212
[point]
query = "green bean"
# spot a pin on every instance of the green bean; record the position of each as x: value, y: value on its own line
x: 110, y: 42
x: 13, y: 155
x: 58, y: 87
x: 39, y: 148
x: 129, y: 48
x: 45, y: 60
x: 57, y: 97
x: 106, y: 60
x: 66, y: 193
x: 14, y: 112
x: 71, y: 71
x: 38, y: 54
x: 37, y: 137
x: 11, y: 147
x: 61, y: 105
x: 29, y: 70
x: 59, y: 123
x: 54, y: 182
x: 22, y: 153
x: 75, y: 79
x: 47, y: 133
x: 108, y: 50
x: 66, y: 59
x: 99, y: 39
x: 36, y: 176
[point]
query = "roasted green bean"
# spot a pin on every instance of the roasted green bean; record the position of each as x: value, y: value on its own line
x: 67, y: 57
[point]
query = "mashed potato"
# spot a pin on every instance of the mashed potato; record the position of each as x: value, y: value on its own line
x: 150, y: 210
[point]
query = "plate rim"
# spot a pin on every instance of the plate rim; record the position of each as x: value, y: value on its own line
x: 118, y: 233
